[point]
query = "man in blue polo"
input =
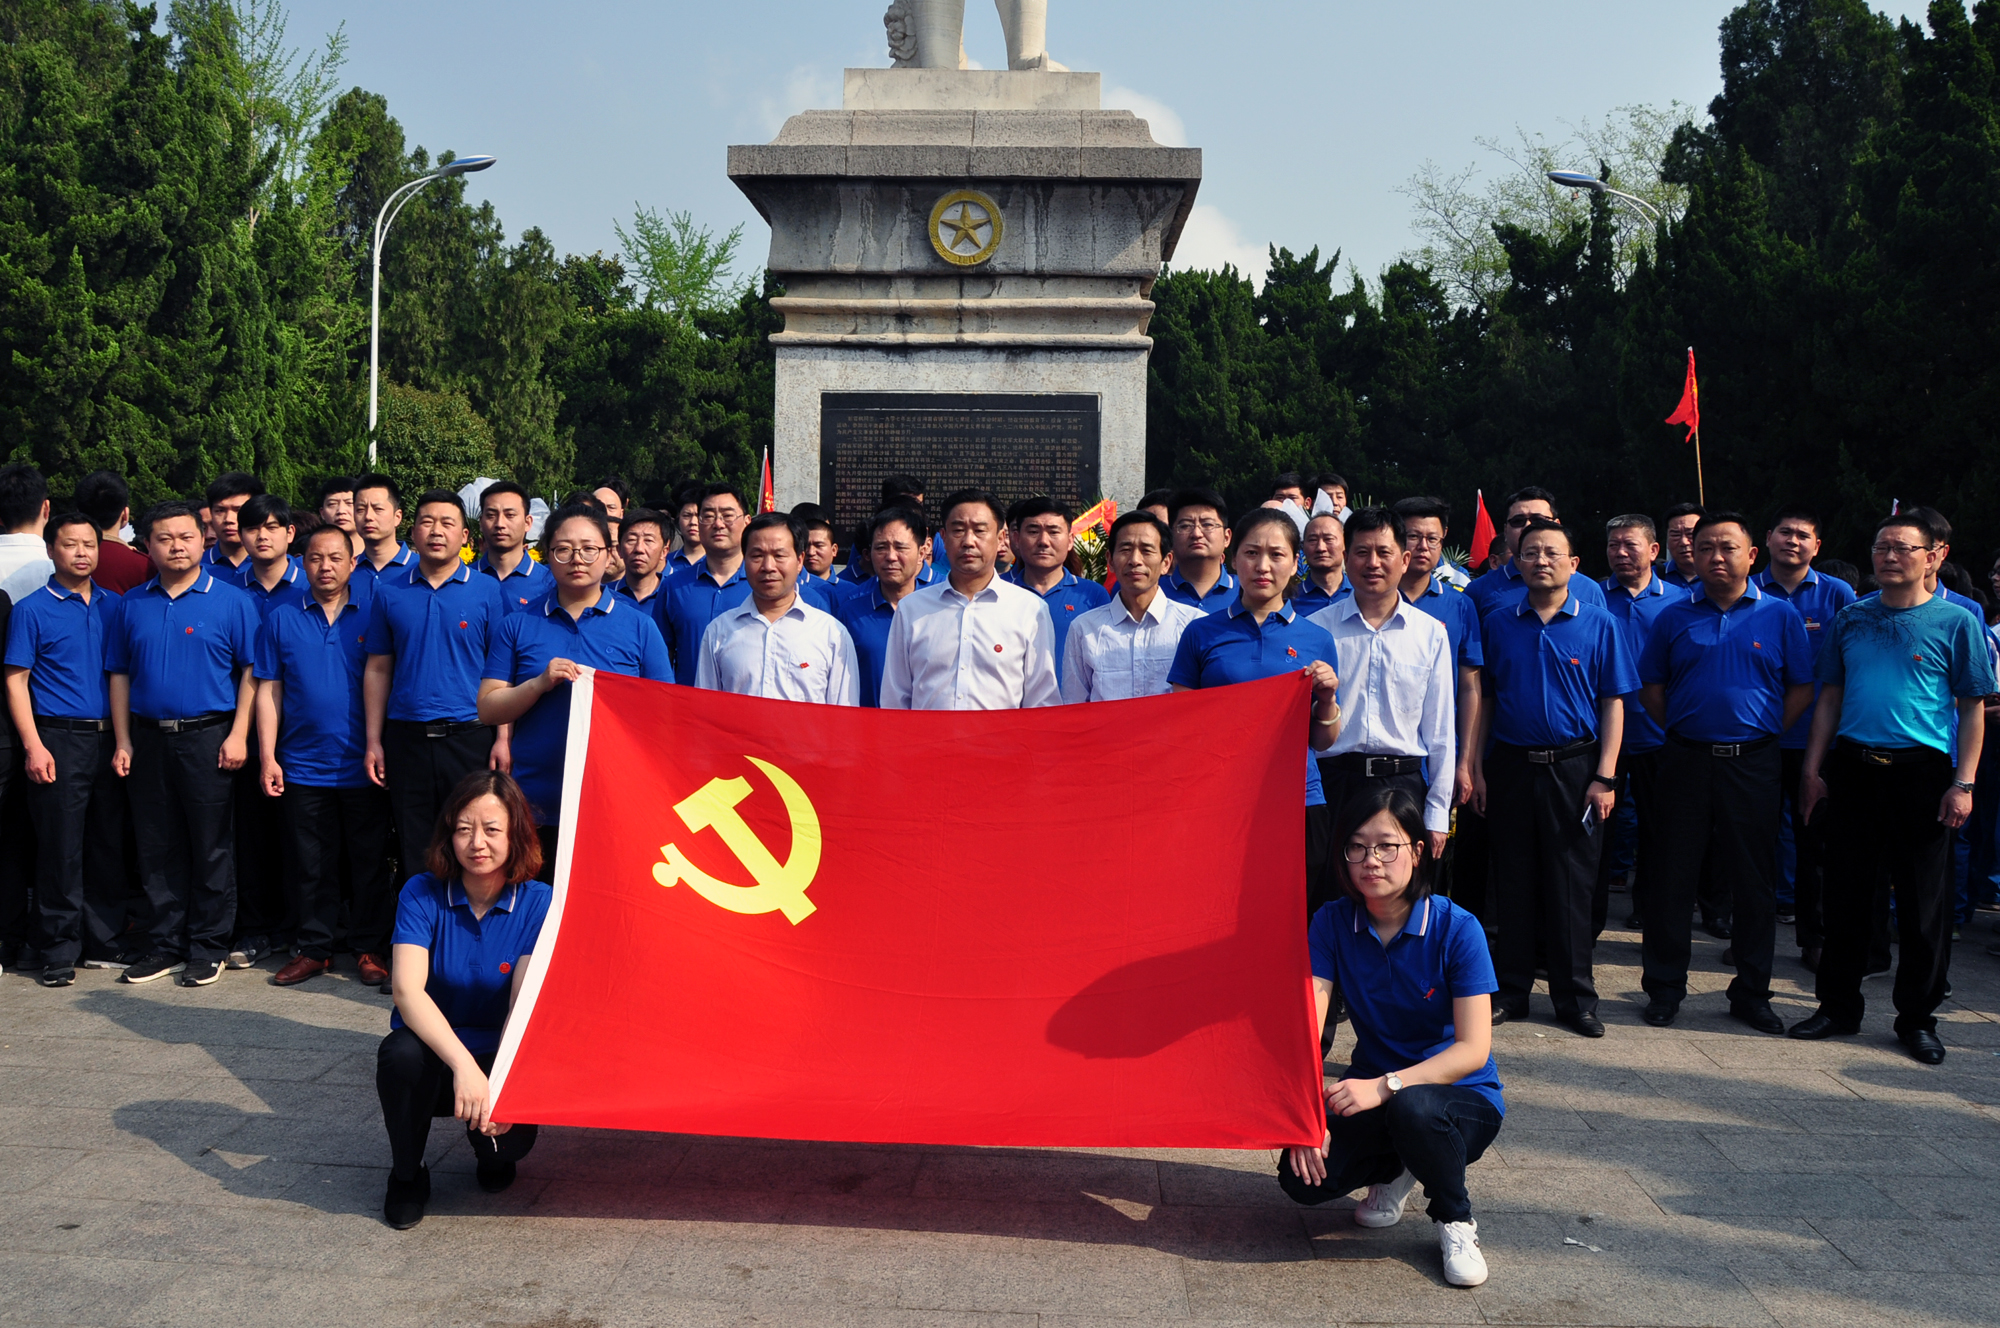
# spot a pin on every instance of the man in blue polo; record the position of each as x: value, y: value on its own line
x: 1199, y: 521
x: 61, y: 706
x: 1555, y: 678
x: 428, y: 632
x: 312, y: 740
x: 704, y: 588
x: 1724, y: 673
x: 895, y: 553
x: 1792, y: 543
x: 226, y: 494
x: 378, y: 517
x: 1038, y: 529
x: 270, y: 574
x: 1325, y: 555
x: 179, y: 653
x: 1501, y: 587
x: 503, y: 546
x: 1681, y: 519
x: 642, y: 547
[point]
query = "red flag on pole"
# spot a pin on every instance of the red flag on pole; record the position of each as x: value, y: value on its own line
x: 1689, y: 411
x: 1483, y: 531
x: 767, y: 495
x: 750, y: 936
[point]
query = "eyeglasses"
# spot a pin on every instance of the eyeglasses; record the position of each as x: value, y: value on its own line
x: 1541, y: 553
x: 1380, y: 852
x: 576, y: 553
x: 1423, y: 541
x: 1887, y: 550
x: 1520, y: 522
x: 1205, y: 527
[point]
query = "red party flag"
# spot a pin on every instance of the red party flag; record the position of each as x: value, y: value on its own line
x: 1689, y: 411
x: 775, y: 920
x: 1483, y: 531
x: 767, y: 495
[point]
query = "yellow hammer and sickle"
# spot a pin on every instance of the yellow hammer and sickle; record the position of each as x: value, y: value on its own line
x: 780, y: 886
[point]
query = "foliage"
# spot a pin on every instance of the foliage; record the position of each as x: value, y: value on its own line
x: 683, y: 267
x: 433, y: 440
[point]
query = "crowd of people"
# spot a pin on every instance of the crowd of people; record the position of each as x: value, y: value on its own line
x: 255, y: 712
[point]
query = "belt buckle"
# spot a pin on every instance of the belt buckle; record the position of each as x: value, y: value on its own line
x: 1874, y: 757
x: 170, y: 725
x: 1369, y: 771
x: 1725, y: 749
x: 1542, y: 756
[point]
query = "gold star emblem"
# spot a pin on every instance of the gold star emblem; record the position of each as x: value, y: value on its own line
x: 965, y: 227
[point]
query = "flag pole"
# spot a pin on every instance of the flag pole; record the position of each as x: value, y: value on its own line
x: 1700, y: 489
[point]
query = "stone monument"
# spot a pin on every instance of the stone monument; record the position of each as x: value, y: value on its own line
x: 967, y: 256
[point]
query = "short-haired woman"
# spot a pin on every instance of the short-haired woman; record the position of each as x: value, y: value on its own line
x: 1421, y: 1099
x: 464, y: 931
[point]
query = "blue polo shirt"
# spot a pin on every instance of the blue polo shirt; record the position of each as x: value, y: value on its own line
x: 523, y: 586
x: 1231, y: 646
x: 1546, y: 678
x: 1817, y: 600
x: 1635, y: 615
x: 322, y: 728
x: 1066, y: 599
x: 1904, y: 671
x: 472, y: 959
x: 1726, y: 673
x: 1311, y: 599
x: 1454, y: 608
x: 868, y: 618
x: 613, y: 634
x: 212, y: 560
x: 1503, y: 588
x: 623, y: 588
x: 1220, y: 596
x: 439, y: 638
x: 1399, y: 995
x: 59, y: 639
x: 183, y: 654
x: 291, y: 587
x: 685, y: 609
x: 365, y: 570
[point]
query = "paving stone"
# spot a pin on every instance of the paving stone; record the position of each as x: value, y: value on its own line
x: 50, y: 1288
x: 1878, y: 1300
x: 1913, y: 1245
x: 1731, y: 1194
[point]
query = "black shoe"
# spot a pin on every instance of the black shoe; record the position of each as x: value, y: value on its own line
x: 1788, y: 919
x: 495, y: 1176
x: 1501, y: 1014
x: 57, y: 977
x: 1583, y: 1025
x: 1809, y: 958
x: 1635, y: 923
x: 1716, y: 927
x: 201, y: 972
x: 403, y: 1206
x: 1758, y: 1014
x: 151, y: 967
x: 1924, y: 1046
x: 1822, y: 1026
x: 1660, y: 1012
x: 1729, y: 956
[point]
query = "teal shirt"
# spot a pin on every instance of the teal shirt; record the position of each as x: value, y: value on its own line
x: 1904, y: 670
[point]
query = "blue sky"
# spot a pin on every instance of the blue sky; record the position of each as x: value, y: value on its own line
x: 1310, y: 113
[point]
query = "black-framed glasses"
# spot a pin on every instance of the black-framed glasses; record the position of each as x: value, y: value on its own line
x: 1520, y: 522
x: 576, y: 553
x: 1384, y: 853
x: 1886, y: 549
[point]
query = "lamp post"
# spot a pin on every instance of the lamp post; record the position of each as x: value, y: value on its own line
x: 383, y: 220
x: 1583, y: 180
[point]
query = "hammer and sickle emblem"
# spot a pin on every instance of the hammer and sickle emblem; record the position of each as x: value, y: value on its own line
x: 780, y: 886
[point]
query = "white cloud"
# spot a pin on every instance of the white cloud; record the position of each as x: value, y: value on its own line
x: 1166, y: 124
x: 806, y: 88
x: 1210, y: 239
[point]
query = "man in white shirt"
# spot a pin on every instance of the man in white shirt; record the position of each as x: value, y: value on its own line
x: 1123, y: 649
x: 24, y: 511
x: 1397, y: 681
x: 971, y: 641
x: 775, y: 644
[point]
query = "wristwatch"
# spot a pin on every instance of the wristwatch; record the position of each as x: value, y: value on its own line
x: 1392, y: 1082
x: 1609, y: 781
x: 1963, y: 785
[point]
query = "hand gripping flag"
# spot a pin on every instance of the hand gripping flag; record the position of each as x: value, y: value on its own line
x: 1073, y: 926
x: 1689, y: 411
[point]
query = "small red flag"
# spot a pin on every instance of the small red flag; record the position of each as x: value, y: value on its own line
x: 1483, y: 530
x: 1689, y: 411
x: 767, y: 495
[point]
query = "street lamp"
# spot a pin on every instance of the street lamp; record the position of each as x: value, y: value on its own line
x: 1583, y: 180
x: 383, y: 220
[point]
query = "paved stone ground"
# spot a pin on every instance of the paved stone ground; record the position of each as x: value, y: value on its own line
x: 209, y: 1156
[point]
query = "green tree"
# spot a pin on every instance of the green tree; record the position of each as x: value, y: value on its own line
x: 433, y: 440
x: 682, y: 268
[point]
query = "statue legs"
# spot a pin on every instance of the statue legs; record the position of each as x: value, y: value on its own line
x: 940, y: 33
x: 1026, y: 23
x: 930, y: 34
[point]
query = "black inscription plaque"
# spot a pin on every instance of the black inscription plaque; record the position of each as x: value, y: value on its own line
x: 1017, y: 446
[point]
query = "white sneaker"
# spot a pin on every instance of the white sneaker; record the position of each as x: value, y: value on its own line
x: 1464, y: 1265
x: 1384, y: 1205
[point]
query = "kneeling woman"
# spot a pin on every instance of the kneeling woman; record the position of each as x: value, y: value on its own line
x: 1422, y: 1097
x: 464, y: 931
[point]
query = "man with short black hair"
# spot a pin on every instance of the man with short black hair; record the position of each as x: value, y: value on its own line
x: 642, y: 546
x: 1160, y: 503
x: 336, y: 502
x: 25, y: 566
x: 1039, y: 532
x: 226, y: 495
x: 776, y: 645
x: 687, y: 525
x: 972, y: 641
x: 1335, y: 488
x: 1326, y: 558
x: 893, y: 547
x: 503, y: 546
x: 1681, y: 519
x: 1201, y: 578
x: 1290, y: 487
x: 1724, y: 673
x: 696, y: 594
x: 821, y: 549
x: 1501, y: 587
x: 265, y: 528
x: 378, y: 516
x: 1124, y: 648
x: 104, y: 497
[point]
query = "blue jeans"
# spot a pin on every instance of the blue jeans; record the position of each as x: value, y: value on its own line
x: 1435, y: 1130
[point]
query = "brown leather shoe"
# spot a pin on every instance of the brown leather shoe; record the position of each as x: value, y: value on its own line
x: 373, y: 971
x: 301, y: 968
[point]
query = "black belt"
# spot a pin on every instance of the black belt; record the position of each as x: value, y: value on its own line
x: 442, y: 728
x: 1551, y: 755
x: 73, y: 725
x: 1891, y: 755
x: 188, y: 725
x: 1376, y: 767
x: 1723, y: 748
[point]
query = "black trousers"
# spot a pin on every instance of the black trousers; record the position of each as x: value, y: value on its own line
x: 1435, y: 1130
x: 183, y: 808
x: 1341, y: 788
x: 548, y: 835
x: 1471, y: 862
x: 416, y: 1087
x: 422, y: 773
x: 262, y: 906
x: 17, y: 846
x: 1638, y: 781
x: 340, y: 836
x: 1543, y: 876
x: 79, y: 862
x: 1883, y: 820
x: 1719, y: 813
x: 1808, y: 855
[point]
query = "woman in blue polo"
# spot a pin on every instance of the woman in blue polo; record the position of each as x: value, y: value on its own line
x: 1262, y: 635
x: 464, y: 932
x: 1421, y: 1097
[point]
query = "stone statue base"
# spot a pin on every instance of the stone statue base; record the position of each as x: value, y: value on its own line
x: 977, y: 235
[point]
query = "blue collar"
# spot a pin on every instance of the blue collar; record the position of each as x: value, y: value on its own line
x: 1417, y: 924
x: 462, y: 575
x: 1284, y: 610
x: 1655, y: 587
x: 526, y: 567
x: 1568, y: 609
x: 311, y: 605
x: 54, y: 587
x: 250, y: 581
x: 702, y: 573
x: 1227, y: 581
x: 202, y: 585
x: 551, y: 604
x: 1067, y: 579
x: 455, y: 896
x: 1750, y: 596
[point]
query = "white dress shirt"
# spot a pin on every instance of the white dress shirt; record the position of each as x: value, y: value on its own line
x: 1112, y: 656
x: 1398, y: 689
x: 806, y: 655
x: 24, y: 565
x: 993, y: 651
